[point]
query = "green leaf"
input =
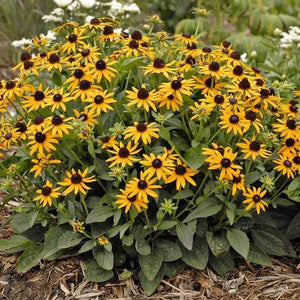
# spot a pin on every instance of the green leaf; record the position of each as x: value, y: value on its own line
x: 130, y: 63
x: 293, y: 230
x: 20, y: 222
x: 99, y: 214
x: 198, y: 256
x: 142, y: 247
x: 16, y: 241
x: 30, y: 258
x: 165, y: 134
x: 95, y: 273
x: 218, y: 243
x: 104, y: 258
x: 69, y: 239
x: 51, y: 241
x: 164, y: 225
x: 239, y: 241
x: 258, y: 256
x: 87, y: 246
x: 253, y: 177
x: 149, y: 286
x: 222, y: 264
x: 170, y: 250
x: 184, y: 194
x: 207, y: 208
x: 185, y: 235
x: 194, y: 157
x: 151, y: 264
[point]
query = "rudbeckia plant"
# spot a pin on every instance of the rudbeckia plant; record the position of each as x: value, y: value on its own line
x: 145, y: 153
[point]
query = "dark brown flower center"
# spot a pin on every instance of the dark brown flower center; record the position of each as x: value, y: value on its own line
x: 142, y: 184
x: 256, y: 70
x: 105, y: 139
x: 83, y: 117
x: 124, y: 152
x: 57, y: 98
x: 171, y: 97
x: 78, y: 73
x: 101, y: 65
x: 85, y: 52
x: 244, y: 84
x: 238, y: 71
x: 28, y: 64
x: 220, y: 150
x: 84, y: 85
x: 180, y: 170
x: 264, y: 93
x: 95, y: 21
x: 250, y: 115
x: 233, y: 101
x: 39, y: 96
x: 186, y: 35
x: 219, y: 99
x: 72, y: 38
x: 158, y: 63
x: 225, y: 50
x: 131, y: 199
x: 40, y: 137
x: 43, y: 54
x: 141, y: 127
x: 176, y: 84
x: 293, y: 108
x: 254, y: 146
x: 25, y: 56
x: 98, y: 99
x: 235, y: 55
x: 21, y: 127
x: 214, y: 66
x: 142, y: 94
x: 46, y: 190
x: 208, y: 82
x: 237, y: 179
x: 38, y: 120
x: 108, y: 30
x: 291, y: 124
x: 57, y: 120
x: 206, y: 50
x: 256, y: 198
x: 259, y: 82
x: 290, y: 142
x: 190, y: 60
x: 133, y: 44
x: 234, y: 119
x: 225, y: 163
x: 10, y: 85
x: 8, y: 136
x: 53, y: 58
x: 192, y: 46
x: 156, y: 163
x: 226, y: 44
x: 287, y: 163
x: 136, y: 35
x: 76, y: 178
x: 296, y: 160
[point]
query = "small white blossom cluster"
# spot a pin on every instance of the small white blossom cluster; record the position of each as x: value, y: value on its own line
x: 23, y: 43
x: 55, y: 16
x: 290, y: 38
x: 117, y: 8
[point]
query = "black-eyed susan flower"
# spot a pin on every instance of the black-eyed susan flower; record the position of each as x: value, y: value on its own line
x: 290, y: 145
x: 232, y: 121
x: 74, y: 40
x: 251, y: 119
x: 216, y: 99
x: 86, y: 116
x: 213, y: 69
x: 238, y: 183
x: 100, y: 102
x: 42, y: 141
x: 123, y: 155
x: 79, y: 74
x: 108, y: 34
x: 142, y: 187
x: 21, y: 129
x: 54, y: 62
x: 142, y: 98
x: 181, y: 173
x: 208, y: 84
x: 76, y: 181
x: 224, y: 161
x: 187, y: 64
x: 58, y: 99
x: 87, y: 54
x: 254, y: 197
x: 178, y: 87
x: 59, y: 126
x: 107, y: 141
x: 85, y: 90
x: 37, y: 98
x: 290, y: 109
x: 47, y: 193
x: 126, y: 201
x: 158, y: 165
x: 296, y: 160
x: 185, y: 38
x: 171, y: 102
x: 158, y: 66
x: 253, y: 149
x: 133, y: 48
x: 41, y: 162
x: 245, y: 87
x: 103, y: 69
x: 287, y: 128
x: 285, y: 165
x: 143, y: 131
x: 78, y: 226
x: 8, y: 136
x: 13, y: 88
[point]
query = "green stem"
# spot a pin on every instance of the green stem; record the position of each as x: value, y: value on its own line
x: 147, y: 219
x: 73, y: 153
x: 185, y: 127
x: 84, y: 203
x: 216, y: 133
x: 200, y: 187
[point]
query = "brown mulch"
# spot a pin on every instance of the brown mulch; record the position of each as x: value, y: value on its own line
x: 64, y: 279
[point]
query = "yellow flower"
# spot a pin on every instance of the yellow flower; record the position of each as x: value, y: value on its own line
x: 253, y: 149
x: 158, y: 66
x: 208, y: 84
x: 233, y: 121
x: 41, y: 163
x: 102, y: 240
x: 74, y: 39
x: 59, y: 126
x: 287, y: 128
x: 37, y: 99
x: 108, y: 141
x: 58, y: 99
x: 78, y: 226
x: 185, y: 38
x: 100, y: 102
x: 213, y: 69
x: 8, y: 136
x: 47, y: 193
x: 143, y: 131
x: 102, y: 69
x: 255, y: 198
x: 238, y: 183
x: 76, y: 181
x: 124, y: 200
x: 170, y: 101
x: 285, y: 165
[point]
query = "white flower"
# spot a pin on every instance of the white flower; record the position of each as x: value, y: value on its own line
x: 88, y: 3
x: 133, y: 8
x: 50, y: 35
x: 291, y: 38
x: 277, y: 31
x: 244, y: 57
x: 253, y: 53
x: 58, y: 12
x: 51, y: 18
x: 74, y: 6
x: 63, y: 3
x: 88, y: 19
x: 21, y: 43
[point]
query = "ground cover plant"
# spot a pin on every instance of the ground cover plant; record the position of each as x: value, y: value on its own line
x: 143, y: 153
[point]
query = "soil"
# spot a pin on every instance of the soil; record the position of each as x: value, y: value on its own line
x: 64, y: 279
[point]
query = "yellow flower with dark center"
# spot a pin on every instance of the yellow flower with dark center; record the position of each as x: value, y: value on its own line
x: 76, y: 181
x: 187, y: 64
x: 95, y: 24
x: 37, y: 99
x: 87, y: 117
x: 85, y: 90
x: 39, y: 41
x: 233, y: 59
x: 208, y: 84
x: 124, y: 200
x: 185, y: 38
x: 102, y: 240
x: 58, y: 125
x: 64, y: 25
x: 296, y: 160
x: 245, y: 86
x: 39, y: 123
x: 253, y: 149
x: 103, y: 69
x: 13, y: 88
x: 238, y: 183
x: 54, y: 61
x: 108, y: 141
x: 216, y: 99
x: 41, y: 162
x: 8, y: 136
x: 290, y: 109
x: 74, y: 40
x: 213, y: 69
x: 78, y: 226
x: 285, y: 165
x: 287, y: 128
x: 224, y: 160
x: 100, y: 102
x: 79, y: 74
x: 134, y: 48
x: 42, y: 141
x: 290, y: 145
x: 265, y: 98
x: 233, y: 121
x: 87, y: 54
x: 235, y: 72
x: 181, y: 174
x: 58, y: 99
x: 170, y: 101
x: 108, y: 34
x: 191, y: 49
x: 201, y: 110
x: 142, y: 187
x: 123, y: 154
x: 158, y: 165
x: 158, y: 66
x: 46, y: 194
x: 255, y: 198
x: 143, y: 131
x: 251, y: 119
x: 142, y: 98
x: 178, y: 87
x: 21, y: 129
